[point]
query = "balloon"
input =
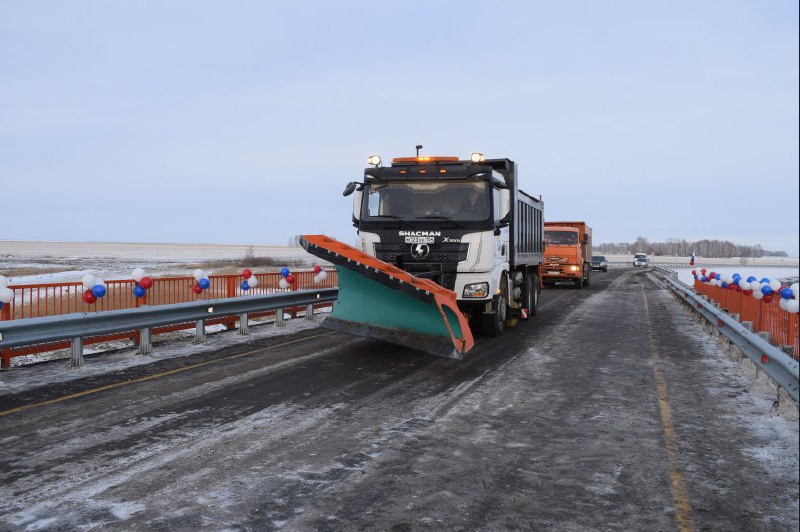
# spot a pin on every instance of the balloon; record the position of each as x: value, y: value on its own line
x: 137, y: 274
x: 782, y: 303
x: 768, y: 298
x: 89, y: 297
x: 795, y: 288
x: 703, y: 279
x: 317, y: 269
x: 751, y: 279
x: 146, y: 283
x: 323, y: 275
x: 786, y: 293
x: 792, y: 306
x: 775, y: 285
x: 89, y: 281
x: 764, y: 280
x: 284, y: 272
x: 755, y: 285
x: 204, y: 283
x: 725, y: 284
x: 694, y: 272
x: 317, y: 280
x: 757, y: 294
x: 246, y: 273
x: 196, y: 289
x: 743, y: 284
x: 245, y: 286
x: 252, y: 281
x: 718, y: 276
x: 3, y: 281
x: 198, y: 274
x: 138, y: 291
x: 6, y: 295
x: 283, y: 283
x: 766, y: 290
x: 290, y: 279
x: 99, y: 290
x: 1, y: 305
x: 703, y: 271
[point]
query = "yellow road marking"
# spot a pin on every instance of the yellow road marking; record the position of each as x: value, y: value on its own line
x: 680, y: 494
x: 151, y: 377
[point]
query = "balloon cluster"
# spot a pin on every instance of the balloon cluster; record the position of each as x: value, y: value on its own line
x: 250, y: 280
x: 143, y: 283
x: 287, y: 278
x: 201, y: 281
x: 763, y: 289
x: 6, y: 294
x: 94, y: 288
x: 319, y: 275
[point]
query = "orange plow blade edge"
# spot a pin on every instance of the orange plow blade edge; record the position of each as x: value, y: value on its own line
x: 379, y: 300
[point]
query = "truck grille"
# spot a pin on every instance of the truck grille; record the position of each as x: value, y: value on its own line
x: 439, y: 253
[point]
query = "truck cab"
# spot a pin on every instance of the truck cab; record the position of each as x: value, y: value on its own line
x: 464, y: 224
x: 567, y: 253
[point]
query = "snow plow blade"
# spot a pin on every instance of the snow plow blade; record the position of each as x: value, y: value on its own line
x: 381, y: 301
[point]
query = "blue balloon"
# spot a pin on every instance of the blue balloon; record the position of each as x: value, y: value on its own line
x: 99, y: 290
x: 736, y: 276
x: 751, y: 279
x: 766, y: 290
x: 1, y: 304
x: 204, y: 283
x: 703, y: 279
x: 284, y: 272
x: 695, y: 276
x: 786, y: 293
x: 724, y: 284
x: 718, y: 276
x: 245, y: 286
x: 138, y: 291
x: 764, y: 280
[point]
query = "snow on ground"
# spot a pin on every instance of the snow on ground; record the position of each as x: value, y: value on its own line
x: 123, y: 354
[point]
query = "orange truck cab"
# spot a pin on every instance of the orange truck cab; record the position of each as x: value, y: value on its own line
x: 567, y: 253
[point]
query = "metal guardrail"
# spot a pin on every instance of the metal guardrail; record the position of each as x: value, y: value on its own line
x: 781, y: 368
x: 75, y: 327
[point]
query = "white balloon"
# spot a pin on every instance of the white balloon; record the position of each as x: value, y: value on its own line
x: 795, y: 288
x: 198, y: 274
x: 757, y: 294
x: 317, y: 280
x: 714, y: 282
x: 283, y: 283
x: 323, y: 275
x: 89, y: 281
x: 252, y: 281
x: 744, y: 285
x: 6, y: 295
x: 792, y: 306
x: 3, y: 281
x: 755, y: 286
x: 137, y: 274
x: 775, y: 285
x: 782, y: 303
x: 729, y: 279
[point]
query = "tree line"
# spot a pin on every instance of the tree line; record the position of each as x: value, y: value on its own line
x: 683, y: 248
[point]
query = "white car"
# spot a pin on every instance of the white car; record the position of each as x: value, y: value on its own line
x: 640, y: 259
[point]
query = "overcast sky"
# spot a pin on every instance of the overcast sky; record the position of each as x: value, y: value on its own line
x: 241, y: 122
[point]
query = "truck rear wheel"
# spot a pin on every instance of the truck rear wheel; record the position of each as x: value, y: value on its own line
x: 530, y: 295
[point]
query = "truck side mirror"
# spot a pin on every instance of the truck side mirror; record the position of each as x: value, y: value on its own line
x: 351, y: 186
x: 356, y: 203
x: 585, y: 238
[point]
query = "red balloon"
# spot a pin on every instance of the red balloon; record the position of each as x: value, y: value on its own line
x: 197, y: 289
x: 89, y: 297
x: 747, y: 292
x: 703, y: 271
x: 246, y: 273
x: 694, y: 272
x: 317, y: 269
x: 146, y: 282
x: 767, y: 299
x: 290, y: 278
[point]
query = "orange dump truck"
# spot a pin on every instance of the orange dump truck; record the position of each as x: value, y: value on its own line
x: 567, y: 253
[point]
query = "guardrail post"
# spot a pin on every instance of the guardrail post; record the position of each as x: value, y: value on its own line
x: 200, y: 332
x: 279, y: 318
x: 310, y: 312
x: 145, y: 341
x: 244, y: 330
x: 76, y: 359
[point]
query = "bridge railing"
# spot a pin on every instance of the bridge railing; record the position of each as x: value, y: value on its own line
x: 56, y: 299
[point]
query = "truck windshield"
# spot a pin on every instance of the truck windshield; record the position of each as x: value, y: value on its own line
x: 408, y: 200
x: 569, y: 238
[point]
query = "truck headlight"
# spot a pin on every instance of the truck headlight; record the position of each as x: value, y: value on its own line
x: 476, y: 290
x: 573, y: 268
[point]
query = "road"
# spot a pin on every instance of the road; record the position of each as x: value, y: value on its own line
x: 608, y: 411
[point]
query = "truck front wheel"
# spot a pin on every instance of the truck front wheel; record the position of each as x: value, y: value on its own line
x: 495, y: 324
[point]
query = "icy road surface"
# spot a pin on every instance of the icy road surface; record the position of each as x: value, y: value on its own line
x: 561, y: 425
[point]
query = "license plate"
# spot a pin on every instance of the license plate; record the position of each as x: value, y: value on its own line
x: 419, y: 240
x: 551, y: 272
